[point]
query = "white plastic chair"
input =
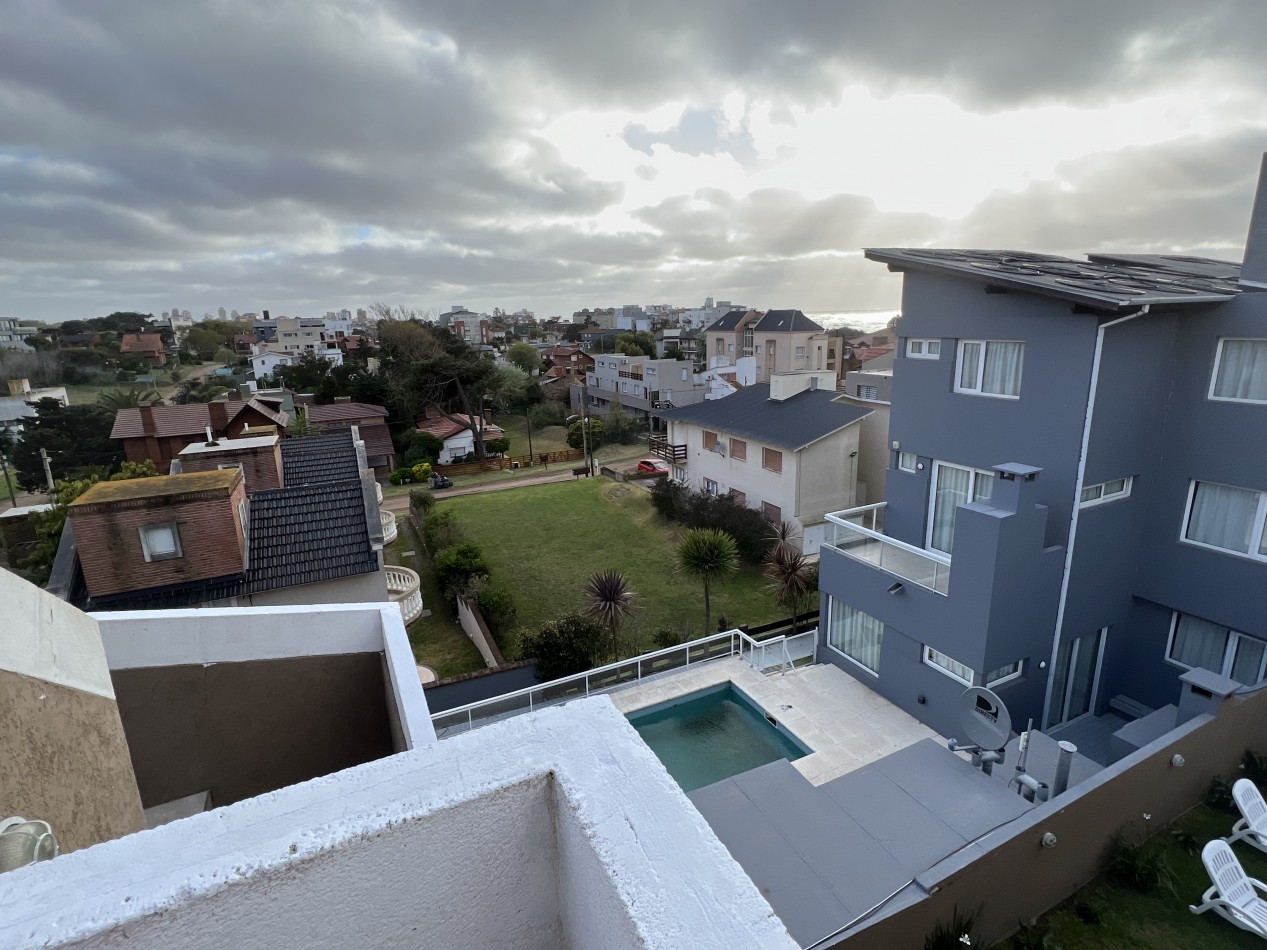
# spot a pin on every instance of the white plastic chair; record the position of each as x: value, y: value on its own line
x: 1233, y: 895
x: 1252, y: 828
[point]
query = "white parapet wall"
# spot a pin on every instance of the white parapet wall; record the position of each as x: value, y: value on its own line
x: 558, y: 829
x: 146, y: 638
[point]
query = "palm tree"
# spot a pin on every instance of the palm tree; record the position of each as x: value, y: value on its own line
x: 792, y: 579
x: 609, y: 600
x: 709, y: 554
x: 130, y: 398
x: 784, y: 534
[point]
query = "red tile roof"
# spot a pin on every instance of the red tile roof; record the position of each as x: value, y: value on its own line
x: 192, y: 419
x: 141, y: 343
x: 377, y: 439
x: 443, y: 428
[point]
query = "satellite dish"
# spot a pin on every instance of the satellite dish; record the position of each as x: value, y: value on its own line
x: 984, y: 718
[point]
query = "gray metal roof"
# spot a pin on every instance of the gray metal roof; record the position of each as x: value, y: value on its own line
x: 792, y: 423
x: 786, y: 321
x: 1106, y: 282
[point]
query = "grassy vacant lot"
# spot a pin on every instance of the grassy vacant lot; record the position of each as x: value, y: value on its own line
x: 1104, y: 915
x: 437, y: 640
x: 547, y: 439
x: 544, y: 542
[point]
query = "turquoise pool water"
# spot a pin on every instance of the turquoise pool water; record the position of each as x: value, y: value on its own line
x: 713, y: 736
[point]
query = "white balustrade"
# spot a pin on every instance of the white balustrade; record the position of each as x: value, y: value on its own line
x: 389, y: 526
x: 404, y: 587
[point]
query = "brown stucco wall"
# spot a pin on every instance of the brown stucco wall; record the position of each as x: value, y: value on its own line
x: 65, y: 762
x: 212, y: 540
x: 1018, y: 879
x: 242, y: 729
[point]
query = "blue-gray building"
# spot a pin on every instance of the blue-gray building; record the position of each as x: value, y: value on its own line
x: 1077, y: 486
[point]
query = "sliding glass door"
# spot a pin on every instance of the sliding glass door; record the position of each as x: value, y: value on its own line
x: 1077, y: 672
x: 953, y: 486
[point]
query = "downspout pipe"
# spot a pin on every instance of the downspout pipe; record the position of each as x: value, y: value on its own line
x: 1077, y: 494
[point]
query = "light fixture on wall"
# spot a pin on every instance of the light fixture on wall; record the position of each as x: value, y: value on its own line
x: 896, y: 588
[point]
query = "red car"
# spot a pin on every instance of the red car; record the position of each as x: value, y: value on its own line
x: 652, y: 467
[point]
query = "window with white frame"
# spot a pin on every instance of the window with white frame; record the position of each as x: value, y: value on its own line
x: 990, y: 368
x: 868, y: 392
x: 907, y: 461
x: 952, y: 486
x: 160, y: 542
x: 855, y: 634
x: 1240, y: 371
x: 1228, y: 518
x: 952, y: 668
x: 1105, y: 491
x: 799, y: 353
x: 1199, y: 643
x: 924, y: 349
x: 1002, y: 674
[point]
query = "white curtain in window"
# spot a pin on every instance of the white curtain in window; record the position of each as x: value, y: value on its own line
x: 968, y: 365
x: 1242, y: 372
x: 1199, y: 643
x: 855, y: 634
x: 1248, y: 660
x: 982, y: 486
x: 1002, y: 368
x: 1223, y: 516
x: 951, y: 491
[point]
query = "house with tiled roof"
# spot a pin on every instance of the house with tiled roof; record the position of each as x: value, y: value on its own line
x: 456, y: 431
x: 146, y: 346
x: 780, y: 341
x: 787, y: 448
x: 370, y: 420
x: 159, y: 433
x: 243, y: 522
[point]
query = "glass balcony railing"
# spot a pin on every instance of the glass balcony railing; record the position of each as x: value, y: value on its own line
x: 858, y: 533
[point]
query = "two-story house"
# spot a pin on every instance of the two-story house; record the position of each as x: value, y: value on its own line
x: 371, y: 423
x: 159, y: 433
x: 787, y: 448
x: 640, y: 384
x: 781, y: 341
x: 1077, y: 486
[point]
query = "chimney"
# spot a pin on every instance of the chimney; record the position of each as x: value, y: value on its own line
x: 218, y: 416
x: 147, y: 417
x: 1254, y: 269
x: 265, y: 314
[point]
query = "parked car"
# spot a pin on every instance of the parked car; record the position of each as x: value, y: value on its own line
x: 441, y: 481
x: 653, y: 466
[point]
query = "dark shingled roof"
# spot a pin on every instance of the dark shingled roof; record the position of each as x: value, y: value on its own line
x: 729, y: 321
x: 308, y: 534
x: 786, y: 321
x: 319, y: 459
x: 790, y: 424
x: 1105, y: 282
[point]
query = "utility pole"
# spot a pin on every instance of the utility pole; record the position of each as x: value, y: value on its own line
x: 528, y: 419
x: 4, y: 467
x: 585, y: 427
x: 48, y: 471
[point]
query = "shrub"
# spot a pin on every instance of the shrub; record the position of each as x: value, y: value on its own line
x: 1138, y: 865
x: 421, y: 447
x: 697, y: 509
x: 665, y: 638
x: 441, y: 530
x: 498, y: 446
x: 548, y: 413
x: 457, y: 565
x: 571, y: 644
x: 576, y: 433
x: 499, y: 610
x: 421, y: 472
x: 402, y: 476
x: 421, y: 501
x: 954, y: 935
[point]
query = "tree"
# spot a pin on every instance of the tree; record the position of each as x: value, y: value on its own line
x: 709, y: 555
x: 673, y: 352
x: 307, y: 375
x: 525, y: 357
x: 793, y: 579
x: 421, y: 446
x: 75, y: 437
x: 130, y: 470
x: 547, y: 413
x: 498, y: 446
x: 609, y: 600
x: 576, y: 432
x: 639, y: 343
x: 456, y: 566
x: 204, y: 341
x: 130, y: 398
x: 571, y: 644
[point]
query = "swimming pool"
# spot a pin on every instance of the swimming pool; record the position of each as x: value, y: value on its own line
x: 708, y: 736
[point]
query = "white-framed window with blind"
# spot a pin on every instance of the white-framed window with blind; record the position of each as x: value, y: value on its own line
x: 1103, y: 492
x: 160, y: 542
x: 950, y: 667
x: 990, y: 368
x: 1240, y: 371
x: 854, y: 634
x: 923, y: 349
x: 907, y: 461
x: 952, y: 486
x: 1227, y: 518
x: 1199, y: 643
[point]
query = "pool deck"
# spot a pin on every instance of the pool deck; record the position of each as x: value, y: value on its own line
x: 846, y: 724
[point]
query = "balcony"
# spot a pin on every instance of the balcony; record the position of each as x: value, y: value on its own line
x: 630, y: 373
x: 404, y: 589
x: 854, y: 533
x: 378, y: 492
x: 661, y: 448
x: 389, y: 526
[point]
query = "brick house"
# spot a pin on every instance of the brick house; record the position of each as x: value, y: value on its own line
x: 370, y: 420
x: 159, y: 433
x: 258, y: 457
x: 147, y: 346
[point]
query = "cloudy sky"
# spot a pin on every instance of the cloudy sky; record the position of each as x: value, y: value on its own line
x: 304, y: 156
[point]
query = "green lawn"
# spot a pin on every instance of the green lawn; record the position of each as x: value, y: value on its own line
x: 547, y: 439
x: 437, y: 640
x: 544, y: 542
x: 1103, y: 916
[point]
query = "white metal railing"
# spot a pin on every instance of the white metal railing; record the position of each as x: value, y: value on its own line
x: 784, y: 652
x: 404, y: 587
x: 854, y: 533
x: 389, y: 526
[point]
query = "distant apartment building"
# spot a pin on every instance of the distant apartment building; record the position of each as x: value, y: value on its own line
x: 13, y: 335
x: 787, y: 448
x: 781, y: 341
x: 19, y: 405
x: 640, y: 384
x: 602, y: 319
x: 1076, y: 487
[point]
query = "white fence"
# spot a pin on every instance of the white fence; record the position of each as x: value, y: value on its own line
x: 784, y: 653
